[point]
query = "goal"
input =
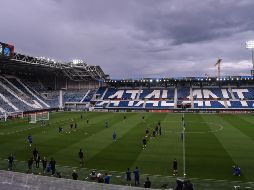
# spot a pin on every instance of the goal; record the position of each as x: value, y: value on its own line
x: 39, y: 116
x: 11, y: 115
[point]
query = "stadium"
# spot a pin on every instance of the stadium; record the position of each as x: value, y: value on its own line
x: 160, y: 96
x: 206, y: 122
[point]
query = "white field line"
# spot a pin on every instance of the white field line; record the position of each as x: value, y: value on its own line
x: 199, y: 132
x: 22, y: 130
x: 19, y: 131
x: 151, y: 175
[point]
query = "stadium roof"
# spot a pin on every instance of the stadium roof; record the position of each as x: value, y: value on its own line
x: 76, y: 71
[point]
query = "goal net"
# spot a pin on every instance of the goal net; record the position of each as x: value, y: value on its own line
x: 39, y: 116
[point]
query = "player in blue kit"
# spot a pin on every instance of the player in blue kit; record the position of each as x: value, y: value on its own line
x: 30, y: 140
x: 236, y: 170
x: 114, y: 136
x: 128, y: 175
x: 136, y: 176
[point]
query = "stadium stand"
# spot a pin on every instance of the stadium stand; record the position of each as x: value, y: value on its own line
x: 18, y: 95
x: 89, y: 95
x: 99, y: 94
x: 74, y: 96
x: 30, y: 84
x: 183, y: 93
x: 200, y: 98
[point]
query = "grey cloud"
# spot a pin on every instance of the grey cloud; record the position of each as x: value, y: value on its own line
x: 134, y: 38
x: 191, y: 21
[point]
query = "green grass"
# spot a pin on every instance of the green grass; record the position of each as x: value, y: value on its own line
x: 214, y: 143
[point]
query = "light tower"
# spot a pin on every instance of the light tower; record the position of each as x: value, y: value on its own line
x: 218, y: 64
x: 250, y: 45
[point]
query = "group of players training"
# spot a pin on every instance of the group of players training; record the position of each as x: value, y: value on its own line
x: 155, y: 131
x: 73, y: 125
x: 50, y: 167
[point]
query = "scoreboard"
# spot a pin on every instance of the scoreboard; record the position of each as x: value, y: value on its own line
x: 6, y: 51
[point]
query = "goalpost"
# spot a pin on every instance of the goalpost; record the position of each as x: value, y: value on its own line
x: 7, y: 115
x: 39, y: 116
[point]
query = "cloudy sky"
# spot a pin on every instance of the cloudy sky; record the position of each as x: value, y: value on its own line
x: 135, y: 38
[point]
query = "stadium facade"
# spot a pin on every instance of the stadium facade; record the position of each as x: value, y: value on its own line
x: 31, y: 84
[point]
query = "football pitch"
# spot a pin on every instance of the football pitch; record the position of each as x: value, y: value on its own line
x: 214, y: 143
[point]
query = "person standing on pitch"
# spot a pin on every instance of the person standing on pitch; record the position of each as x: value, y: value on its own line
x: 44, y: 164
x: 136, y: 176
x: 37, y: 160
x: 114, y: 136
x: 156, y: 129
x: 154, y: 132
x: 174, y: 167
x: 60, y: 129
x: 30, y: 165
x: 81, y: 158
x: 147, y: 132
x: 128, y: 175
x: 106, y: 178
x: 35, y: 153
x: 236, y: 170
x: 11, y: 162
x: 53, y: 166
x: 30, y: 140
x: 106, y: 124
x: 144, y: 143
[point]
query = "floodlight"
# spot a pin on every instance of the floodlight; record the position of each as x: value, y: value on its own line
x: 250, y: 44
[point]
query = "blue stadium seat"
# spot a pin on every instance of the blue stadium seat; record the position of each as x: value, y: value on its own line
x: 183, y: 92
